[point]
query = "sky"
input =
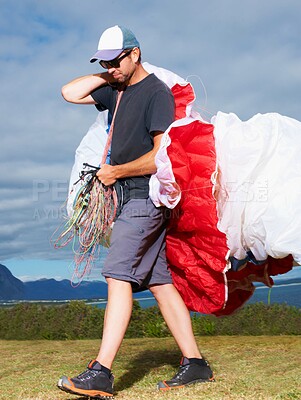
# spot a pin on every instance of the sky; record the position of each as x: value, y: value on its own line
x: 241, y: 56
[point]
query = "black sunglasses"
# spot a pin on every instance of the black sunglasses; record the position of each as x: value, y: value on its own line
x: 114, y: 63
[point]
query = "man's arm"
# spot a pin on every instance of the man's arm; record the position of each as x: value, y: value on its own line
x: 144, y: 165
x: 79, y: 90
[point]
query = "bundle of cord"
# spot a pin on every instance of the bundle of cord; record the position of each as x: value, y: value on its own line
x: 90, y: 225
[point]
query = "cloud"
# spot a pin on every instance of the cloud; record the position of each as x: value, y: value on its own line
x: 245, y: 53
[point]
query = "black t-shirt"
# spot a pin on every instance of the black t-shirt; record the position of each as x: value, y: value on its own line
x: 145, y: 107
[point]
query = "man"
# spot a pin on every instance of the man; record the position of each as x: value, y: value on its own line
x: 136, y: 258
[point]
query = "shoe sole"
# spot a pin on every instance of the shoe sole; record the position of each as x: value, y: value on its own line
x: 164, y: 387
x: 94, y: 394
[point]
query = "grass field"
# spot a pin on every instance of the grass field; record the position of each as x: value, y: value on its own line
x: 245, y: 367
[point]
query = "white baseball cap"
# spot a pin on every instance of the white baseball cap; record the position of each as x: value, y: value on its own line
x: 112, y: 43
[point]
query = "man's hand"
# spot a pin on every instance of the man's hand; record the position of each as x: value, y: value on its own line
x: 144, y: 165
x: 107, y: 174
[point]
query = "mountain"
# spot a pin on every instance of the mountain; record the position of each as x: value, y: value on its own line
x: 12, y: 288
x: 50, y: 289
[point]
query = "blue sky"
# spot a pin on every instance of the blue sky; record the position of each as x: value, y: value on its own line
x: 241, y: 56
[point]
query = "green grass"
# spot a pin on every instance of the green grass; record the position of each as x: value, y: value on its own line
x: 245, y: 367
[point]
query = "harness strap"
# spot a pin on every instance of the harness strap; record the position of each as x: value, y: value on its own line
x: 110, y: 134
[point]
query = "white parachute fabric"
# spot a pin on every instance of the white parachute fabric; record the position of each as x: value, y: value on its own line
x: 163, y: 188
x: 258, y: 190
x: 89, y: 151
x: 168, y: 77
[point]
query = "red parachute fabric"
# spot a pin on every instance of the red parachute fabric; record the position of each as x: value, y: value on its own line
x: 196, y: 250
x: 240, y: 283
x: 183, y: 96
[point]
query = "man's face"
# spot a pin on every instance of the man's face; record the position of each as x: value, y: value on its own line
x: 122, y: 67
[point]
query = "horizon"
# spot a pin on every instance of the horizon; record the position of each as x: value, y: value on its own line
x: 16, y: 270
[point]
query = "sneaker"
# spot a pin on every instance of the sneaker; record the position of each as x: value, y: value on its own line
x: 188, y: 374
x: 93, y: 382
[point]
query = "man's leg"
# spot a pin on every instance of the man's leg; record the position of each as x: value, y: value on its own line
x: 97, y: 380
x: 193, y: 368
x: 177, y: 318
x: 117, y: 317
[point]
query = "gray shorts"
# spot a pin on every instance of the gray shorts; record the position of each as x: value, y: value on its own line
x: 137, y: 250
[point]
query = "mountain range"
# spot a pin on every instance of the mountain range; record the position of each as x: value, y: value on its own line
x: 12, y: 288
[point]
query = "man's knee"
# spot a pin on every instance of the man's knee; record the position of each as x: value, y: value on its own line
x: 158, y: 290
x: 118, y: 283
